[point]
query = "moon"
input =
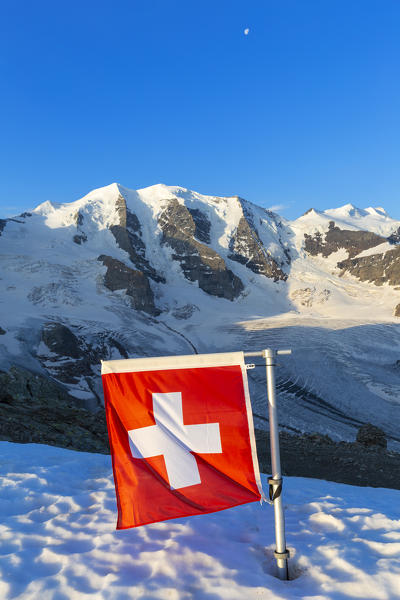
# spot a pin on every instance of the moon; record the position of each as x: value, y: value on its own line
x: 246, y: 31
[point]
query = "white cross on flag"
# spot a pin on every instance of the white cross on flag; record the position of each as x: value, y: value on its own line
x: 181, y: 436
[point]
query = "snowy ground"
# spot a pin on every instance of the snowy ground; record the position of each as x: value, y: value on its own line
x: 58, y: 539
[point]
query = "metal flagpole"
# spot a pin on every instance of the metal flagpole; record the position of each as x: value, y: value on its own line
x: 275, y: 481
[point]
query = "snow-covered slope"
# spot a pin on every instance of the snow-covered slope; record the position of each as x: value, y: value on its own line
x: 349, y: 217
x: 165, y: 270
x: 58, y: 539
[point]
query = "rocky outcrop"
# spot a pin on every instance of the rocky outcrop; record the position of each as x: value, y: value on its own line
x: 202, y: 225
x: 22, y: 384
x: 397, y: 311
x: 335, y: 239
x: 2, y: 331
x: 319, y: 457
x: 3, y: 223
x: 74, y: 360
x: 65, y: 357
x: 246, y: 248
x: 128, y: 235
x: 394, y: 238
x: 60, y: 340
x: 369, y: 435
x: 198, y: 262
x: 81, y: 236
x: 33, y: 409
x: 135, y: 283
x: 376, y: 268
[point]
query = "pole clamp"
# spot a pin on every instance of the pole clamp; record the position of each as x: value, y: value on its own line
x: 282, y: 555
x: 277, y: 483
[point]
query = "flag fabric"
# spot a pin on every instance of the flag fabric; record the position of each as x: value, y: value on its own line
x: 181, y: 436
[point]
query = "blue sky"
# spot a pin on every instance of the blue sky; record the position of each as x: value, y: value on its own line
x: 302, y: 112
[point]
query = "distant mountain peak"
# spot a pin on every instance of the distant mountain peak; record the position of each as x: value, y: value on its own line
x: 377, y: 210
x: 45, y: 208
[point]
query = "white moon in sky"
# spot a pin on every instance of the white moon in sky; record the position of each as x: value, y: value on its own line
x: 246, y: 31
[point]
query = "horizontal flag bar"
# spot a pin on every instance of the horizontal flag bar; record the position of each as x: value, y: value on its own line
x: 262, y: 353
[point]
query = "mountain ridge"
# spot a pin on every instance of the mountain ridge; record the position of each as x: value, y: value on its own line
x: 166, y: 270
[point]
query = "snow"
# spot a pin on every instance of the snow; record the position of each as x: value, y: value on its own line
x: 58, y: 539
x: 348, y: 217
x: 325, y: 317
x: 381, y: 249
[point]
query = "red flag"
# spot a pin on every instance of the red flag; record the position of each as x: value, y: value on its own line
x: 181, y: 436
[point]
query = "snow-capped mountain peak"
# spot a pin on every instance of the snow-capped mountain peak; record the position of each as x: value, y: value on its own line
x: 164, y: 270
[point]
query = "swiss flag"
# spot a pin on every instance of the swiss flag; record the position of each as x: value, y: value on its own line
x: 181, y: 436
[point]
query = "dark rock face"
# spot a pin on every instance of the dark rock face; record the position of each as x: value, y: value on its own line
x: 79, y: 239
x: 397, y: 311
x: 317, y: 456
x: 2, y: 331
x: 81, y: 236
x: 335, y: 238
x: 69, y: 359
x: 246, y: 248
x: 370, y: 435
x: 135, y: 283
x: 394, y: 238
x: 33, y: 409
x: 202, y: 225
x: 60, y: 340
x: 128, y: 237
x: 3, y: 223
x: 377, y: 268
x: 198, y: 262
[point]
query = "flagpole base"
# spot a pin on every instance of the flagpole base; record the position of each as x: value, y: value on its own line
x: 282, y: 568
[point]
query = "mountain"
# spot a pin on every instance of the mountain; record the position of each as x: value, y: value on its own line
x: 165, y: 270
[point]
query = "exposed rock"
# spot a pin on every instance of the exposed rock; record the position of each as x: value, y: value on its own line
x: 79, y: 218
x: 198, y: 262
x: 22, y: 384
x: 247, y: 248
x: 3, y: 223
x: 35, y: 410
x: 71, y: 359
x: 377, y: 268
x: 79, y: 239
x: 317, y: 456
x: 394, y: 238
x: 2, y: 331
x: 81, y: 236
x: 128, y: 234
x: 397, y: 311
x: 370, y: 435
x: 135, y: 283
x: 63, y: 355
x: 60, y: 340
x: 185, y: 312
x: 335, y: 239
x: 202, y: 225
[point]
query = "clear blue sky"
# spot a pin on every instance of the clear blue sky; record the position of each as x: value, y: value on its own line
x: 303, y: 111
